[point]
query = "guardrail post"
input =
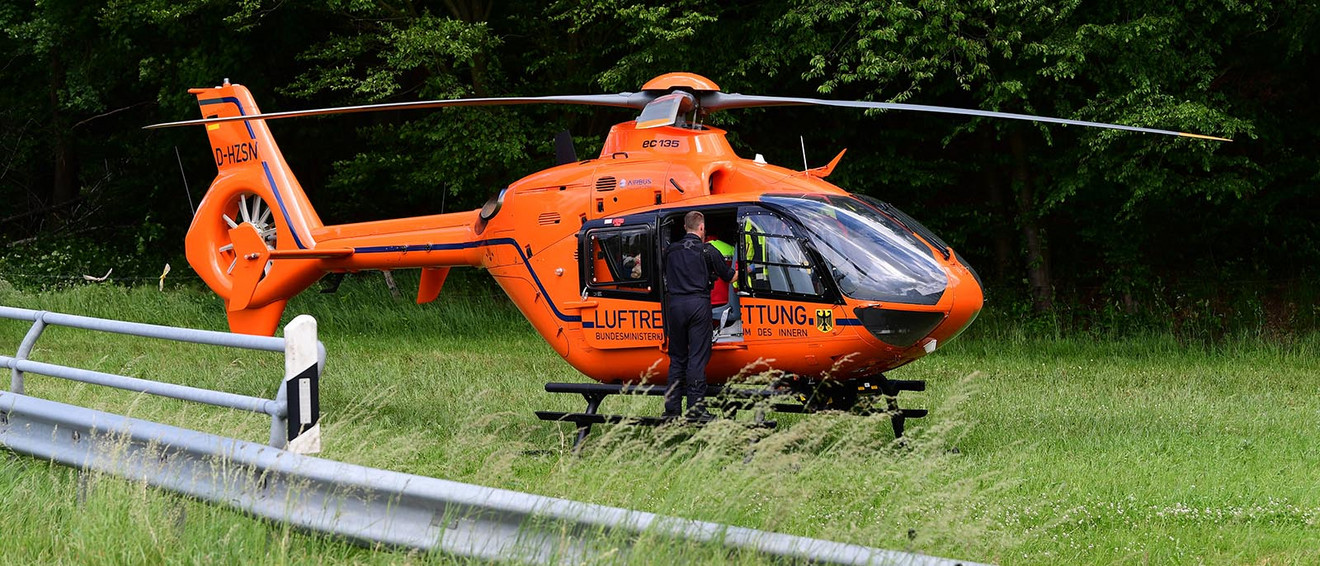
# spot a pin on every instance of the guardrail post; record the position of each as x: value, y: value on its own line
x: 300, y: 390
x: 25, y: 348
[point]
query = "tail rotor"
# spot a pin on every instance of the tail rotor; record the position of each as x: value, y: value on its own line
x: 251, y: 209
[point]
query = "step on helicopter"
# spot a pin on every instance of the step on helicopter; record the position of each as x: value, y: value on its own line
x: 834, y: 288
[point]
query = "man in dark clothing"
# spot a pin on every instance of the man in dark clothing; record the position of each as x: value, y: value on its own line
x: 691, y: 265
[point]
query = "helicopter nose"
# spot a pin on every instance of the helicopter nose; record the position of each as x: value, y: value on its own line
x: 917, y: 330
x: 968, y: 298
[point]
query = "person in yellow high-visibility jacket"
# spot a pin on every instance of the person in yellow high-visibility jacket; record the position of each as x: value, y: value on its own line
x: 725, y: 309
x: 754, y: 244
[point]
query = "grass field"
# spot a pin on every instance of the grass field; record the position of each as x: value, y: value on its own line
x: 1038, y: 450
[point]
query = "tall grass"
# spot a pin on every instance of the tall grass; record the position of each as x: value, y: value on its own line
x: 1040, y: 448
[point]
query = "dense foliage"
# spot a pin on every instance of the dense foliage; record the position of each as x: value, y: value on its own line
x: 1064, y: 220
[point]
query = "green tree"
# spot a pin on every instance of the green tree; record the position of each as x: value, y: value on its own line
x: 1127, y: 63
x: 81, y: 80
x: 1046, y: 208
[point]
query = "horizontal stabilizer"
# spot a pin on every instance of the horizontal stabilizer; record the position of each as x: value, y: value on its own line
x: 311, y: 254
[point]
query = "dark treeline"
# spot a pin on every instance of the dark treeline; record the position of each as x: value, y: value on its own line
x: 1057, y: 219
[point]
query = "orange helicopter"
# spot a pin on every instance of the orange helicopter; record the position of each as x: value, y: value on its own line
x: 834, y: 289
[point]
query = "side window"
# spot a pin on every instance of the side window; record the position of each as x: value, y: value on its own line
x: 776, y: 261
x: 619, y: 260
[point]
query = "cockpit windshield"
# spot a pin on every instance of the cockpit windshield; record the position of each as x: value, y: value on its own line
x: 871, y: 256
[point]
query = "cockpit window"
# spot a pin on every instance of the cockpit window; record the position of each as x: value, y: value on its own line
x: 909, y: 222
x: 871, y: 256
x: 776, y: 261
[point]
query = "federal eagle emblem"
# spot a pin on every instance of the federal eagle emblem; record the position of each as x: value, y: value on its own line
x: 824, y: 320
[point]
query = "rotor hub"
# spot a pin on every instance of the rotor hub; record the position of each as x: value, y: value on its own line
x: 686, y: 81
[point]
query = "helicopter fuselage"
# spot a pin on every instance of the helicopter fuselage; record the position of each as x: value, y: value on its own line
x: 832, y: 286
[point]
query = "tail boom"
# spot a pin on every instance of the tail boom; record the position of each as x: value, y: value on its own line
x: 440, y: 240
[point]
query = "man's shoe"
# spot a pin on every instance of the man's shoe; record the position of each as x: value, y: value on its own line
x: 700, y: 415
x: 670, y: 416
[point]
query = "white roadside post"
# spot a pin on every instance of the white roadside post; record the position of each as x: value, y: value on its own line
x: 300, y: 388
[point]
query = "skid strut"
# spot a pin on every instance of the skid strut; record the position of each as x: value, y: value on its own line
x: 594, y: 393
x: 730, y: 400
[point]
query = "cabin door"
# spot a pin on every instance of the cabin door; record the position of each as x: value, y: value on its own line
x: 620, y: 274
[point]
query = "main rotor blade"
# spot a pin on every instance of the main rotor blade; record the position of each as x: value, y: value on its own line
x: 720, y: 101
x: 621, y: 100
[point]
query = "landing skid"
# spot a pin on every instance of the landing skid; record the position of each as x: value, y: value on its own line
x: 811, y: 397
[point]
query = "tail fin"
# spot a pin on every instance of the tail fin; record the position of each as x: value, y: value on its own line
x: 255, y: 205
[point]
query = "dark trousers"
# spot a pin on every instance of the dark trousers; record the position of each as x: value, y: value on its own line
x: 687, y: 321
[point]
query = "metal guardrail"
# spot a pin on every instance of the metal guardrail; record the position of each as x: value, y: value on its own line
x: 299, y: 342
x: 371, y: 505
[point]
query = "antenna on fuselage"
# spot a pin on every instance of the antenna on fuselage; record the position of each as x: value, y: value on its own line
x: 186, y: 190
x: 564, y: 151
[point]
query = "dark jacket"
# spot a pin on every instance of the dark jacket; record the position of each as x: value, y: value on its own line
x: 692, y: 265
